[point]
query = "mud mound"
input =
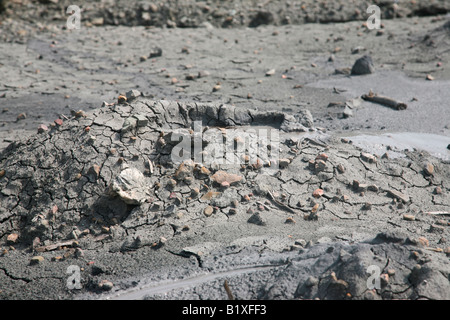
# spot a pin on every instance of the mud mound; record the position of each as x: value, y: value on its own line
x: 143, y: 173
x: 57, y: 180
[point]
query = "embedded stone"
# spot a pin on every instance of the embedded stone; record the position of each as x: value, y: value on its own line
x: 221, y: 176
x: 130, y: 186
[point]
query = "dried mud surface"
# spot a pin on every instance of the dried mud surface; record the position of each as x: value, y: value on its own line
x: 89, y: 180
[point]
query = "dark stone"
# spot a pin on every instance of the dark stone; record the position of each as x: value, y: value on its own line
x: 363, y: 65
x: 262, y: 17
x: 156, y: 52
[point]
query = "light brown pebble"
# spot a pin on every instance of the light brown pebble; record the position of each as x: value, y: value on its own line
x: 428, y: 169
x: 205, y: 171
x: 447, y: 251
x: 2, y: 173
x: 216, y: 88
x: 290, y: 220
x: 423, y: 241
x: 438, y: 190
x: 21, y: 116
x: 315, y: 208
x: 208, y: 211
x: 36, y: 260
x: 12, y: 238
x: 79, y: 114
x: 317, y: 193
x: 322, y: 156
x: 225, y: 184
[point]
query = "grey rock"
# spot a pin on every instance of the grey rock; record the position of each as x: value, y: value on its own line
x: 132, y: 94
x: 257, y: 219
x: 363, y: 65
x: 130, y: 186
x: 156, y: 52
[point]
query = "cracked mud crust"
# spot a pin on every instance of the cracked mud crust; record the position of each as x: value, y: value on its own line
x: 56, y: 200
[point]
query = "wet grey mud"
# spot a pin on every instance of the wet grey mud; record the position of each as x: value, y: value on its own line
x: 159, y: 162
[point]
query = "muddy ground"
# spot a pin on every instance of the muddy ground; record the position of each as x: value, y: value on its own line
x: 355, y: 184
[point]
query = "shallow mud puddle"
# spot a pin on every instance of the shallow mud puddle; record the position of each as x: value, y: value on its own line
x: 396, y: 143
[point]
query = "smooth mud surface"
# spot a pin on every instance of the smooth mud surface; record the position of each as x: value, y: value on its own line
x: 89, y: 180
x: 396, y: 143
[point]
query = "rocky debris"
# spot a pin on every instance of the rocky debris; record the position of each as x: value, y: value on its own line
x: 363, y: 65
x: 428, y: 169
x: 12, y: 238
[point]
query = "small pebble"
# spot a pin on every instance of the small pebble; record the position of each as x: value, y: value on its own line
x: 105, y: 285
x: 317, y: 193
x: 428, y: 169
x: 12, y: 238
x: 367, y: 206
x: 290, y: 220
x: 122, y: 99
x: 208, y: 211
x: 36, y: 259
x: 423, y: 241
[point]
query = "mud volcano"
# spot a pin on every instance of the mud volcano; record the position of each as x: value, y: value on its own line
x: 105, y: 185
